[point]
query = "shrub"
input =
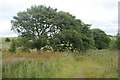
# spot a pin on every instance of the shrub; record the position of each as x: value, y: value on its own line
x: 12, y: 46
x: 7, y: 39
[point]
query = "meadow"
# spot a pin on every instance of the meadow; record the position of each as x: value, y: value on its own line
x: 91, y: 64
x: 0, y: 58
x: 56, y: 44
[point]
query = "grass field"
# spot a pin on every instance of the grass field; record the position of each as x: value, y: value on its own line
x: 5, y: 45
x: 92, y: 64
x: 1, y: 58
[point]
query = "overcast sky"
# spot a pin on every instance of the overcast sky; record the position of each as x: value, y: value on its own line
x: 102, y: 14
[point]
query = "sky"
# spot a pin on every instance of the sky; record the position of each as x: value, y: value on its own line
x: 102, y: 14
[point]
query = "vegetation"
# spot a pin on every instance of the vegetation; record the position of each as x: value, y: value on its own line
x: 7, y: 39
x: 113, y: 43
x: 118, y: 41
x: 101, y: 39
x: 13, y: 46
x: 68, y: 47
x: 102, y: 64
x: 43, y: 25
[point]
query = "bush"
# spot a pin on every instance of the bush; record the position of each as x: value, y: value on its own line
x: 101, y: 39
x: 7, y: 39
x: 24, y: 49
x: 118, y: 41
x: 113, y: 44
x: 12, y: 46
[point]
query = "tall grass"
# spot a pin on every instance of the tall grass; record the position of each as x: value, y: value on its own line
x: 0, y: 58
x: 93, y: 64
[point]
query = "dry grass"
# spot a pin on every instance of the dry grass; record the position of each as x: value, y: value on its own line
x: 93, y: 64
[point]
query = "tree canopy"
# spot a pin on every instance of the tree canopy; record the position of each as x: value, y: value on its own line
x: 42, y: 26
x: 101, y: 39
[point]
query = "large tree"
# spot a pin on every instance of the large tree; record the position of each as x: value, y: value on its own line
x: 43, y: 26
x: 35, y: 24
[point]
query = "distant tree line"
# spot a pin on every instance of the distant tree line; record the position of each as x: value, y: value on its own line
x: 45, y: 28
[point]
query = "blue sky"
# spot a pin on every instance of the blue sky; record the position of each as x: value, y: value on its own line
x: 102, y: 14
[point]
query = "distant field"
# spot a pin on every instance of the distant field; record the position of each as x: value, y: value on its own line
x: 92, y: 64
x: 6, y: 45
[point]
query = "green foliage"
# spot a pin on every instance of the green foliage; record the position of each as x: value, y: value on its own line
x: 118, y: 41
x: 12, y: 46
x: 39, y: 24
x: 7, y: 39
x: 44, y: 26
x: 66, y: 40
x: 39, y: 43
x: 101, y: 39
x: 36, y: 21
x: 34, y: 24
x: 47, y: 48
x: 20, y: 44
x: 113, y: 43
x: 24, y: 49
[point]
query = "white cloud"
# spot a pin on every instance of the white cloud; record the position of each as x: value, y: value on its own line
x: 99, y: 13
x: 5, y: 29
